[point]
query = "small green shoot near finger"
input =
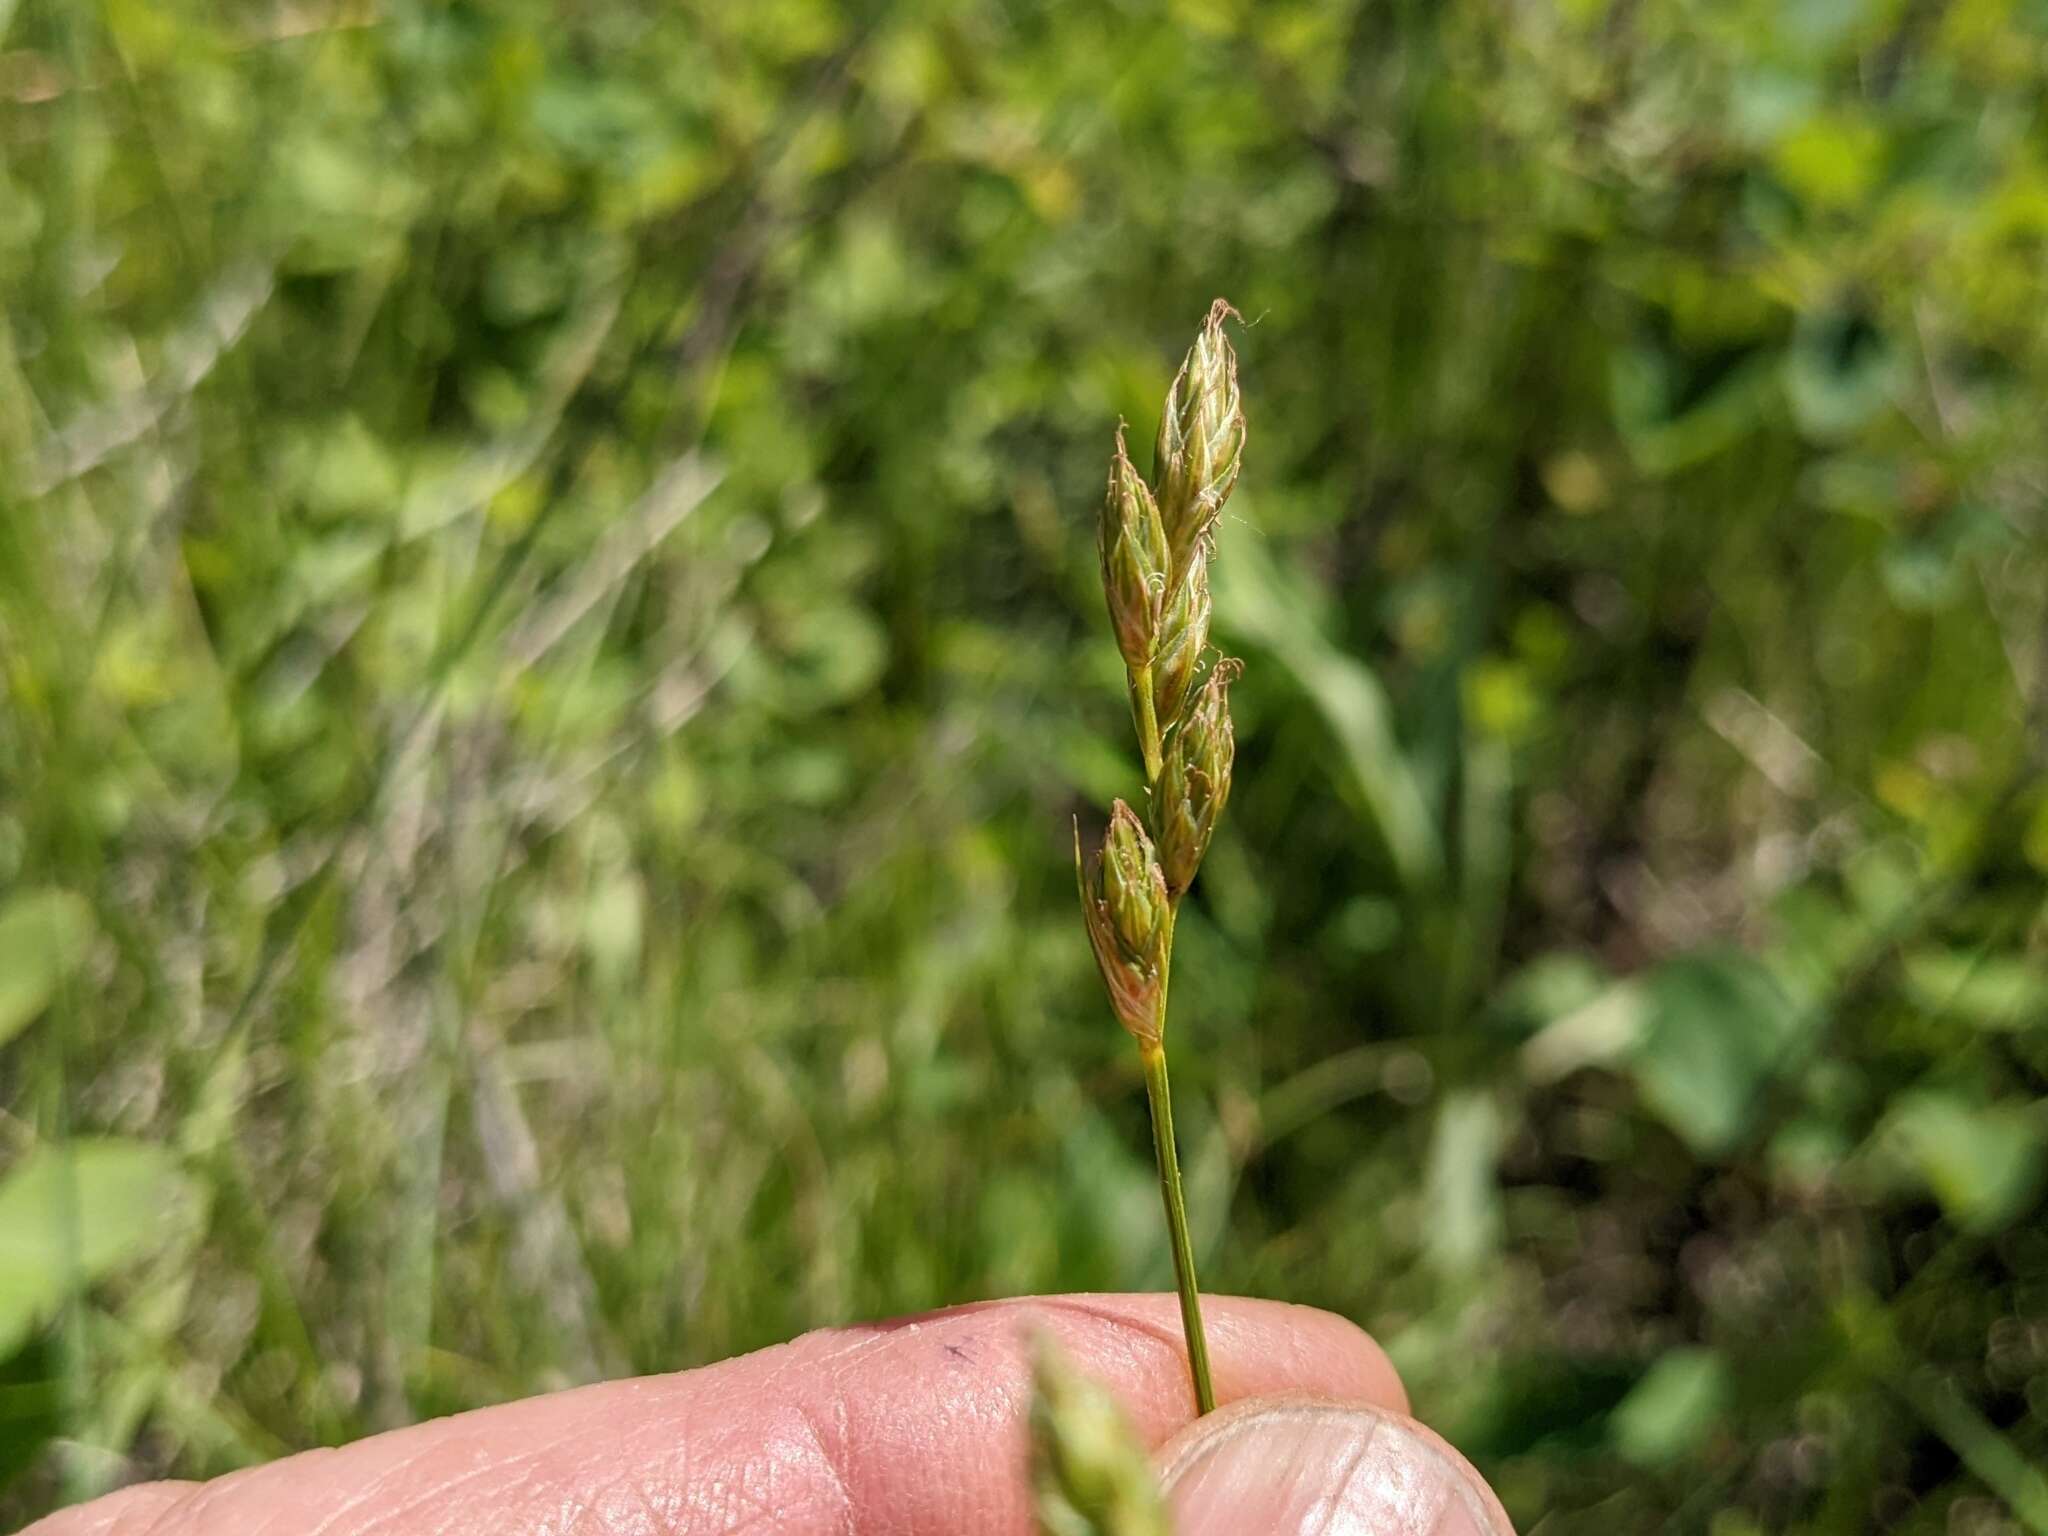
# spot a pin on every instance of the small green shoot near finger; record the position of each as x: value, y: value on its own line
x: 1089, y: 1474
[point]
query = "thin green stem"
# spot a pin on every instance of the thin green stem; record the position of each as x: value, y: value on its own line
x: 1157, y: 1093
x: 1166, y: 955
x: 1161, y: 1097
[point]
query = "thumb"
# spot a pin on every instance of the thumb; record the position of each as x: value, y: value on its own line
x: 1308, y: 1467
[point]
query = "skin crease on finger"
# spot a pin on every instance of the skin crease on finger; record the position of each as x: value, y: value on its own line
x: 909, y: 1426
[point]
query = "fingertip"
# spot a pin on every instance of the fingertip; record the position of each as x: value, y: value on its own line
x: 1302, y: 1467
x: 1257, y: 1348
x: 1260, y: 1348
x: 916, y: 1424
x: 967, y: 1368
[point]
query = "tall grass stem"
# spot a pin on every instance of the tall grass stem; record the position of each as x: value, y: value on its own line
x: 1161, y: 1099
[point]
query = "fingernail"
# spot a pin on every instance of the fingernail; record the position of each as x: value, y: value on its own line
x: 1306, y: 1468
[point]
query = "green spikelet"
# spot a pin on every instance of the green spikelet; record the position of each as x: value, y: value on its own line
x: 1131, y: 543
x: 1089, y: 1474
x: 1183, y: 636
x: 1196, y: 784
x: 1201, y: 440
x: 1123, y: 898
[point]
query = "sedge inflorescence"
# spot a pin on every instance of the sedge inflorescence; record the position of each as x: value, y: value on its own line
x: 1155, y: 544
x: 1155, y: 541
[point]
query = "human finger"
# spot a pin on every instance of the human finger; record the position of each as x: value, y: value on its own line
x: 1309, y: 1467
x: 913, y: 1425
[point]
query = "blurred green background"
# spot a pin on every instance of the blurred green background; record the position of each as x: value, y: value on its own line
x: 550, y: 642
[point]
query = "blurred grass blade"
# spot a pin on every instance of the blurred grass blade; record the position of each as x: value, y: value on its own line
x: 1462, y: 1192
x: 1269, y: 607
x: 1998, y: 1463
x: 43, y: 937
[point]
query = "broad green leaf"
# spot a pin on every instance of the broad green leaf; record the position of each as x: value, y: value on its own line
x: 1718, y: 1028
x: 1672, y: 1409
x: 1700, y: 1036
x: 1991, y: 991
x: 71, y: 1215
x: 1983, y: 1162
x: 43, y: 936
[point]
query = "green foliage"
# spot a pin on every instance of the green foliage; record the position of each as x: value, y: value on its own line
x: 43, y: 937
x: 549, y: 644
x: 1679, y: 1402
x: 74, y: 1213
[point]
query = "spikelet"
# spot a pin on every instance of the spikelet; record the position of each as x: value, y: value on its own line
x: 1201, y: 441
x: 1199, y: 451
x: 1196, y: 784
x: 1089, y: 1474
x: 1123, y: 899
x: 1131, y: 543
x: 1183, y: 636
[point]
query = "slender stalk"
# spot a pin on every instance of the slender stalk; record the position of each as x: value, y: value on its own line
x: 1161, y: 1097
x: 1155, y: 550
x: 1157, y: 1093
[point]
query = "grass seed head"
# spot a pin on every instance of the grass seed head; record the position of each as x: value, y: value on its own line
x: 1196, y: 784
x: 1123, y: 899
x: 1183, y: 636
x: 1201, y: 440
x: 1132, y: 544
x: 1132, y: 883
x: 1155, y: 550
